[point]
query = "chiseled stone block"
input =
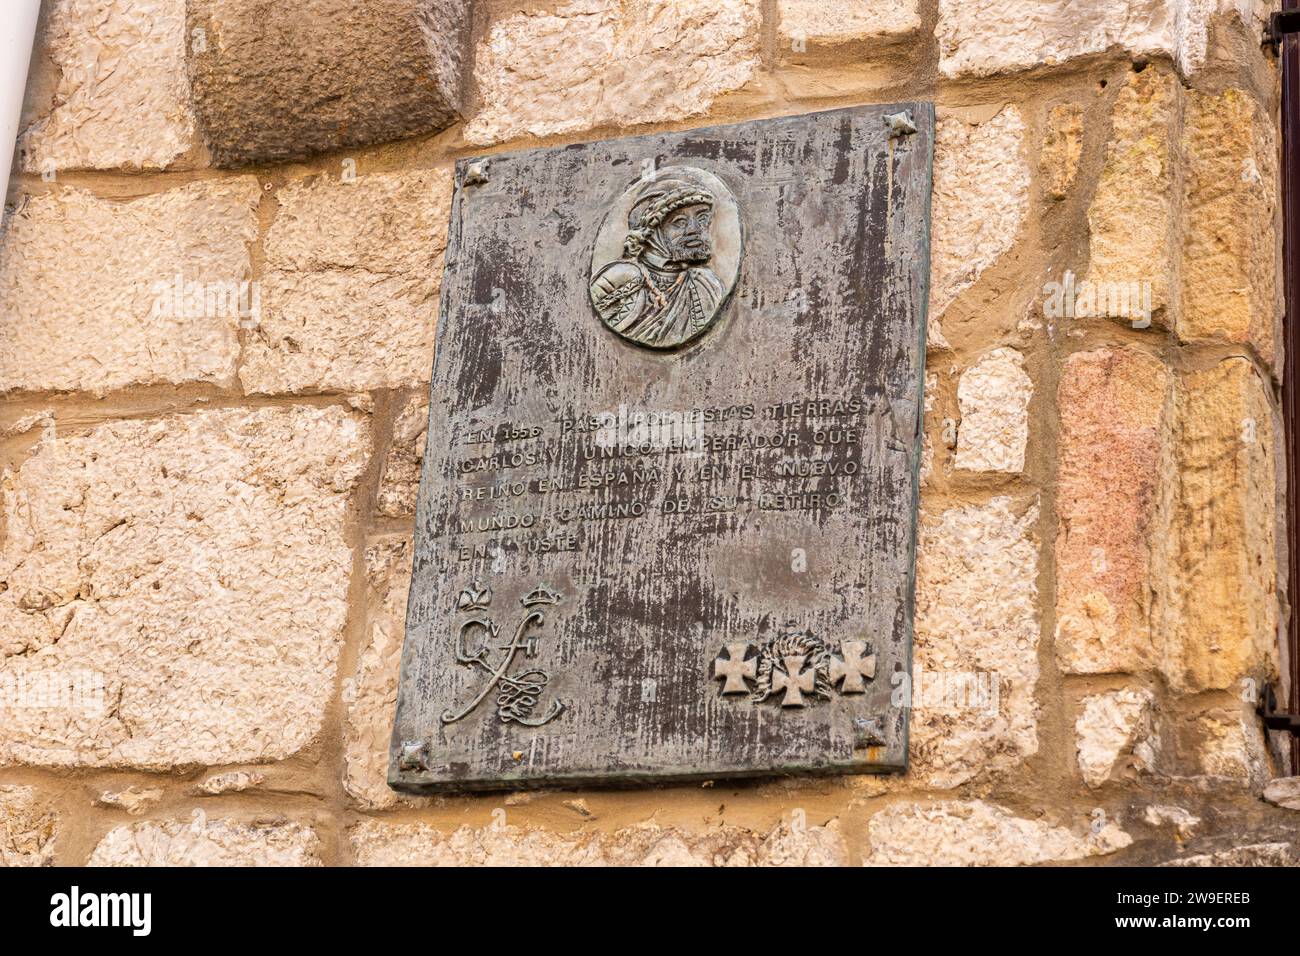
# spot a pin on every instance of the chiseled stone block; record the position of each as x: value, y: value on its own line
x: 399, y: 480
x: 275, y: 81
x: 203, y: 842
x: 418, y: 844
x: 979, y: 202
x: 1133, y: 219
x: 1230, y: 258
x: 1115, y: 727
x: 1112, y: 405
x: 99, y: 295
x: 122, y: 98
x: 370, y: 695
x: 176, y: 589
x: 1219, y: 618
x: 975, y: 662
x: 350, y: 293
x: 833, y: 21
x: 994, y: 399
x: 593, y: 63
x: 975, y: 833
x: 1062, y: 146
x: 986, y: 37
x: 28, y: 828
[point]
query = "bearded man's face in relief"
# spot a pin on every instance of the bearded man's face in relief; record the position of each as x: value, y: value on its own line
x: 685, y: 233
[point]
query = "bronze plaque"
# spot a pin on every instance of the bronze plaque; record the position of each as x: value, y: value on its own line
x: 667, y: 515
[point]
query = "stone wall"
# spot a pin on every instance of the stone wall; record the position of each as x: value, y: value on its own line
x: 208, y: 485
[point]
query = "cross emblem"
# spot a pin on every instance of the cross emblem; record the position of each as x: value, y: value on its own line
x: 853, y: 667
x: 793, y: 680
x: 735, y: 669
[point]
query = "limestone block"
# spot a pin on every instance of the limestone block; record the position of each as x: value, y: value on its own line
x: 382, y: 844
x: 176, y: 588
x: 28, y: 828
x: 98, y: 295
x: 275, y: 81
x: 1112, y: 727
x: 203, y: 842
x: 594, y: 63
x: 976, y: 833
x: 979, y: 201
x: 975, y: 658
x: 994, y: 399
x: 122, y: 99
x: 1112, y: 404
x: 351, y: 287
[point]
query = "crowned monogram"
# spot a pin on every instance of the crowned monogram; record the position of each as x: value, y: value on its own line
x: 519, y: 693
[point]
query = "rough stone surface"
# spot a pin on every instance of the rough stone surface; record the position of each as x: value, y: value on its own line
x: 1062, y: 145
x: 1252, y: 854
x: 1284, y: 792
x: 399, y: 482
x: 123, y: 98
x: 983, y: 37
x: 994, y: 399
x: 350, y: 295
x: 86, y: 287
x: 203, y: 842
x: 1229, y: 746
x: 380, y: 844
x: 830, y: 21
x: 1184, y: 822
x: 979, y: 201
x: 196, y: 566
x: 1132, y: 219
x: 1229, y: 241
x: 1112, y: 406
x: 1219, y: 612
x: 1111, y: 727
x: 44, y: 418
x: 234, y: 781
x: 978, y: 834
x: 371, y: 694
x: 28, y: 828
x: 1186, y: 202
x: 276, y: 81
x: 593, y: 63
x: 975, y: 655
x: 133, y: 800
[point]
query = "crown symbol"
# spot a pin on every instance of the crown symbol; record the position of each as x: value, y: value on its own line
x: 474, y: 598
x: 540, y: 595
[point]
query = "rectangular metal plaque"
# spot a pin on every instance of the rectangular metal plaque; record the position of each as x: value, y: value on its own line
x: 667, y: 514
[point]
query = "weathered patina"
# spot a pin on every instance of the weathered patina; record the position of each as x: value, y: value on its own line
x: 667, y: 513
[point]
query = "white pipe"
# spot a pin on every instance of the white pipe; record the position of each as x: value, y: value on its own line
x: 17, y: 34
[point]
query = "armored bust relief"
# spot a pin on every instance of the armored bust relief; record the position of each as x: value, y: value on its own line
x: 663, y: 292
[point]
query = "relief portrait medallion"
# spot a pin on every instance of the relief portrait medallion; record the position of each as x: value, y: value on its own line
x: 667, y: 258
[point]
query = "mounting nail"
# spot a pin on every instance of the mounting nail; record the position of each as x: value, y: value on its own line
x: 899, y: 124
x: 868, y: 731
x: 414, y: 756
x: 476, y: 172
